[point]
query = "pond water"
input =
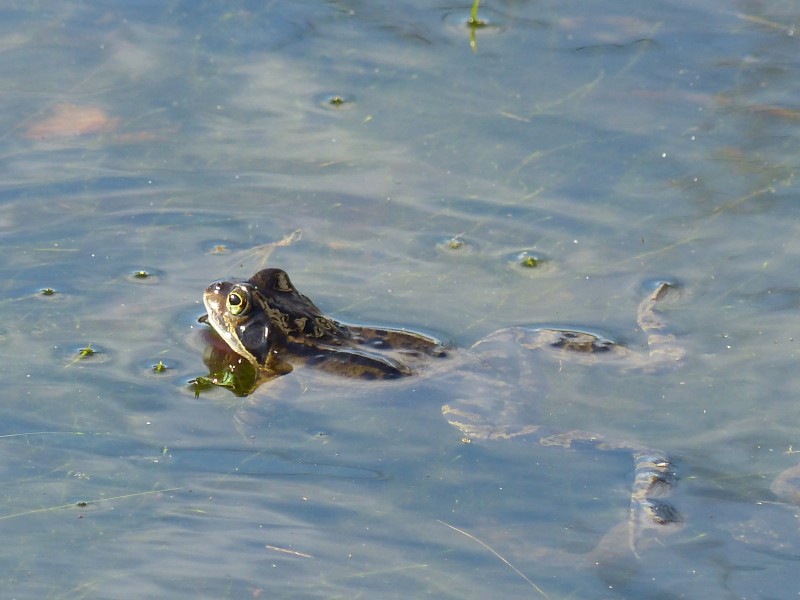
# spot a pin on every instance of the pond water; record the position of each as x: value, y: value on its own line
x: 401, y: 167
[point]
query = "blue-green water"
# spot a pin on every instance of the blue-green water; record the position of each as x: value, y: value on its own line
x: 620, y: 144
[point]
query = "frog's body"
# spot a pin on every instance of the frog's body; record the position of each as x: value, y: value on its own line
x: 281, y: 327
x: 277, y: 329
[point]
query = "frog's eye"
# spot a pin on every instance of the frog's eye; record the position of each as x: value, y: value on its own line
x: 237, y: 303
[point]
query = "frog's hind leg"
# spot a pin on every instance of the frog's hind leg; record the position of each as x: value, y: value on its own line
x: 655, y: 476
x: 663, y: 346
x: 655, y: 472
x: 495, y: 415
x: 587, y: 347
x: 574, y: 345
x: 654, y: 480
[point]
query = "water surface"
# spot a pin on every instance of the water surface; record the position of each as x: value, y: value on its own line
x: 183, y: 139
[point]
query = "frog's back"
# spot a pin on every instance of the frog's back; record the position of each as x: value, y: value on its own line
x: 349, y: 350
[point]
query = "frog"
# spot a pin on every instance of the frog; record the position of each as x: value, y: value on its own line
x: 266, y: 328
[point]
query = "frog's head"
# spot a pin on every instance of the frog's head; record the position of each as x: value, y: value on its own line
x: 253, y: 316
x: 236, y: 311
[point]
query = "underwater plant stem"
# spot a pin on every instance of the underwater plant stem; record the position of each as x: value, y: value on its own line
x: 473, y: 16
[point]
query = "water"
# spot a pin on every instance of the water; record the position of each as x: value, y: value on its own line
x: 183, y: 139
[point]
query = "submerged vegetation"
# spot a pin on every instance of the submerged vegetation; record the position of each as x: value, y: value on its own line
x: 86, y: 351
x: 474, y: 22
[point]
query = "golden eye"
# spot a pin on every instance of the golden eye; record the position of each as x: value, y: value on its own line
x: 237, y: 303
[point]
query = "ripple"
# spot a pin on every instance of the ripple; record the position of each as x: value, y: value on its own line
x: 82, y: 355
x: 144, y: 275
x: 334, y: 101
x: 490, y: 21
x: 528, y: 261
